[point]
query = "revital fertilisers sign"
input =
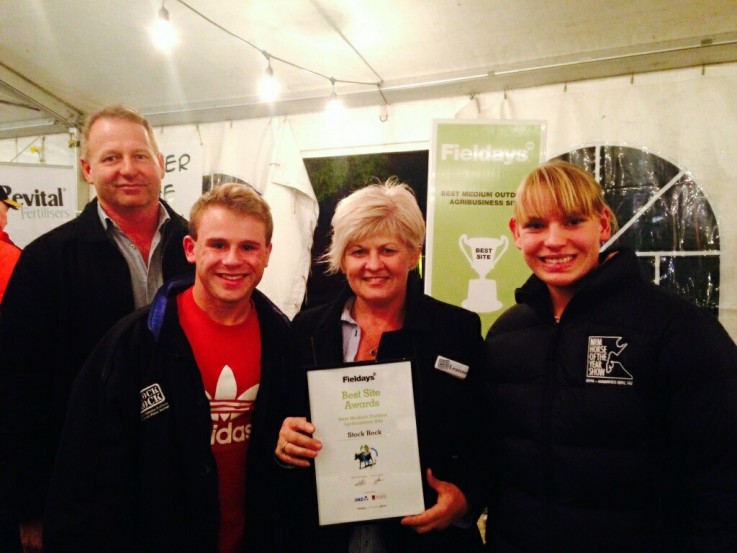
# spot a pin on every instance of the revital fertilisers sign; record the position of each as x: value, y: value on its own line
x: 48, y: 194
x: 475, y: 169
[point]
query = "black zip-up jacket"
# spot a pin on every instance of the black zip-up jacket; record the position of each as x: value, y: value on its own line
x: 615, y: 430
x: 135, y: 471
x: 446, y: 409
x: 70, y: 286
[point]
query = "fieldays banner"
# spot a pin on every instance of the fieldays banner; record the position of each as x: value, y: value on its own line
x: 48, y: 194
x: 475, y: 169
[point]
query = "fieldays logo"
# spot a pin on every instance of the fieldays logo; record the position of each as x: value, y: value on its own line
x: 40, y: 204
x: 360, y: 378
x: 485, y: 152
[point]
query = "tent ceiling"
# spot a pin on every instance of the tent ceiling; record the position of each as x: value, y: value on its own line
x: 60, y: 60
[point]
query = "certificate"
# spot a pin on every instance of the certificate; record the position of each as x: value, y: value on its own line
x: 369, y: 465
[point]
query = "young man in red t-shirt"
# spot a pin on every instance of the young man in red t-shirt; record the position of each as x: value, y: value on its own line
x: 230, y: 252
x: 169, y: 411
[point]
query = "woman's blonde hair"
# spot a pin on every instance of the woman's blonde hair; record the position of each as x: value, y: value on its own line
x: 382, y: 208
x: 574, y: 192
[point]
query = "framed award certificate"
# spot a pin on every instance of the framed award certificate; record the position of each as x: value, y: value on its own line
x: 369, y: 465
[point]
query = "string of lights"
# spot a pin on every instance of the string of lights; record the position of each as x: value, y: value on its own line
x: 165, y: 38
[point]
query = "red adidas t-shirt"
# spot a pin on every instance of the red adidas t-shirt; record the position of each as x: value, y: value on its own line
x: 229, y: 359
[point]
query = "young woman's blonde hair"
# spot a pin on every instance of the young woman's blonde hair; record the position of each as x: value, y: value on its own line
x: 574, y: 193
x: 383, y: 208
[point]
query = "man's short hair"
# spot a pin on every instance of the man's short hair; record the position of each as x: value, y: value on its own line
x: 117, y: 111
x: 241, y: 198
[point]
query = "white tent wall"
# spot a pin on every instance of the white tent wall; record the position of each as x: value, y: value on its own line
x: 688, y: 116
x: 52, y: 149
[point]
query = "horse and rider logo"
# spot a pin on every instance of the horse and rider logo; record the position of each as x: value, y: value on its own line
x: 605, y: 361
x: 366, y: 457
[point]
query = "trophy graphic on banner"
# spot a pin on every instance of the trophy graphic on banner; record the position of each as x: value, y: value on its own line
x: 485, y: 252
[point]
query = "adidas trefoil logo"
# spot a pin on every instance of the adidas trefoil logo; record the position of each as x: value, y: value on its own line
x: 225, y: 405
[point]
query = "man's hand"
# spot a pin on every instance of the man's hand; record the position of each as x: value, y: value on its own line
x: 450, y: 507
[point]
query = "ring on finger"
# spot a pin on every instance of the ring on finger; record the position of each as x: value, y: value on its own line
x: 284, y: 448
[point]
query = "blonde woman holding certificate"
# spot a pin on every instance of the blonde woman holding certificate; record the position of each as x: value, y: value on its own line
x: 383, y: 315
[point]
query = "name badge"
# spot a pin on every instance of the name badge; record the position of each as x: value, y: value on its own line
x: 453, y: 368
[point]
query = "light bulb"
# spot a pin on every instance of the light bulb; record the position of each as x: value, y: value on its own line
x: 163, y: 34
x: 334, y: 106
x: 269, y: 87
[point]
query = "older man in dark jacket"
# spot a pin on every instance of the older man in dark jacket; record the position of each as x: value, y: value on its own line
x: 69, y: 287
